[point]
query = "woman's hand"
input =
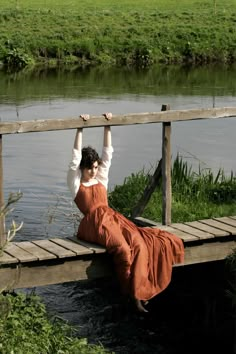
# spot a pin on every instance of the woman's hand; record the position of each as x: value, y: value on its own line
x: 85, y: 117
x: 107, y: 115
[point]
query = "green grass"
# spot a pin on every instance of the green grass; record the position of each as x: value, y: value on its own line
x: 162, y: 5
x: 117, y: 32
x: 25, y: 328
x: 195, y: 195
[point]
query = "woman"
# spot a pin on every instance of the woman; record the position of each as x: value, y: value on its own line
x: 143, y: 257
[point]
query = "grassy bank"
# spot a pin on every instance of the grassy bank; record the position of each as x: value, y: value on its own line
x: 25, y: 328
x: 117, y: 33
x: 195, y: 195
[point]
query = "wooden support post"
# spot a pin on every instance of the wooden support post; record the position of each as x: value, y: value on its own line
x: 2, y: 218
x: 166, y: 170
x: 154, y: 180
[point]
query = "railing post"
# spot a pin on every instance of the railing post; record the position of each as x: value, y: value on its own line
x: 2, y: 218
x: 166, y: 170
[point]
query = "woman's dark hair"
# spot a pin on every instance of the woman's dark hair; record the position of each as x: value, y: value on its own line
x: 89, y: 156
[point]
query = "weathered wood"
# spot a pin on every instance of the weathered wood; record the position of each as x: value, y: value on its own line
x: 207, y: 228
x: 42, y: 125
x: 140, y: 221
x: 31, y: 275
x: 94, y: 266
x: 2, y: 217
x: 82, y: 260
x: 192, y: 231
x: 71, y: 245
x: 166, y: 171
x: 5, y: 258
x: 227, y: 220
x: 189, y: 231
x: 23, y: 256
x: 94, y: 248
x: 35, y: 250
x: 53, y: 248
x: 208, y: 252
x: 153, y: 182
x: 219, y: 225
x: 185, y: 237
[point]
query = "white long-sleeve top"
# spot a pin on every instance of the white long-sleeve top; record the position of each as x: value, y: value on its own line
x: 74, y: 172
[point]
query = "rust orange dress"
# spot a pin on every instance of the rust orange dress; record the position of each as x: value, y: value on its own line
x: 143, y: 256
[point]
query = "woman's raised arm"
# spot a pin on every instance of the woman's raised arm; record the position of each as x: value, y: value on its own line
x: 107, y: 131
x: 79, y: 133
x: 78, y: 139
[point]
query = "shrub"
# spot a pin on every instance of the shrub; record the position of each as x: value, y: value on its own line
x: 26, y: 329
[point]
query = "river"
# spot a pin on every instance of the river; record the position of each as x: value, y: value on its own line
x: 36, y: 164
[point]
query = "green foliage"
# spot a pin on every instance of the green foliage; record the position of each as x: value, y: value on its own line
x: 117, y: 32
x: 126, y: 195
x: 16, y: 59
x: 6, y: 209
x: 195, y: 196
x: 26, y: 329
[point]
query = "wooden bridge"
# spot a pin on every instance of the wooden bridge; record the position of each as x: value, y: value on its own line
x: 58, y: 260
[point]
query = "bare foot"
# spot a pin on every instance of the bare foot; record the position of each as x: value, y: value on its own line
x: 139, y: 306
x: 108, y: 115
x: 85, y: 117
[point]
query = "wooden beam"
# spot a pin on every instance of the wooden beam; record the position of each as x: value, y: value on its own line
x: 93, y: 267
x: 208, y: 252
x: 166, y: 171
x: 43, y: 125
x: 2, y: 217
x: 31, y: 275
x: 139, y: 208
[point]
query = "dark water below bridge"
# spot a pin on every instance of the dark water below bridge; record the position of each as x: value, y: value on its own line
x: 36, y: 163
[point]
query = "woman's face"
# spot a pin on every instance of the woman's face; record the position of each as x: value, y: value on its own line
x: 90, y: 173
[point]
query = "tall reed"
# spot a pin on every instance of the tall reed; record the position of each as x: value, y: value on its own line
x: 195, y: 195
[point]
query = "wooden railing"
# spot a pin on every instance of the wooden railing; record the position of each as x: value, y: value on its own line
x: 166, y: 116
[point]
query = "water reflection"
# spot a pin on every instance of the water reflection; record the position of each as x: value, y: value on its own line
x: 66, y: 83
x: 36, y: 163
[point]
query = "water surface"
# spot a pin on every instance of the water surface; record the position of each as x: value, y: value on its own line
x: 36, y: 163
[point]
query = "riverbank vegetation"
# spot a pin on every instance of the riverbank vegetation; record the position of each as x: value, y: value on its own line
x: 195, y: 195
x: 25, y: 328
x: 108, y: 32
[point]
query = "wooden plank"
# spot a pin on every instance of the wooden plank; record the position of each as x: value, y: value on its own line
x: 41, y: 125
x: 50, y: 273
x: 9, y: 278
x: 94, y: 248
x: 19, y: 253
x: 152, y: 184
x: 181, y: 234
x: 139, y: 220
x: 219, y: 225
x: 2, y: 217
x: 228, y: 221
x: 51, y: 247
x: 212, y: 230
x: 35, y: 250
x: 5, y: 258
x: 71, y: 245
x: 192, y: 231
x: 97, y: 267
x: 232, y: 217
x: 208, y: 252
x: 166, y: 170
